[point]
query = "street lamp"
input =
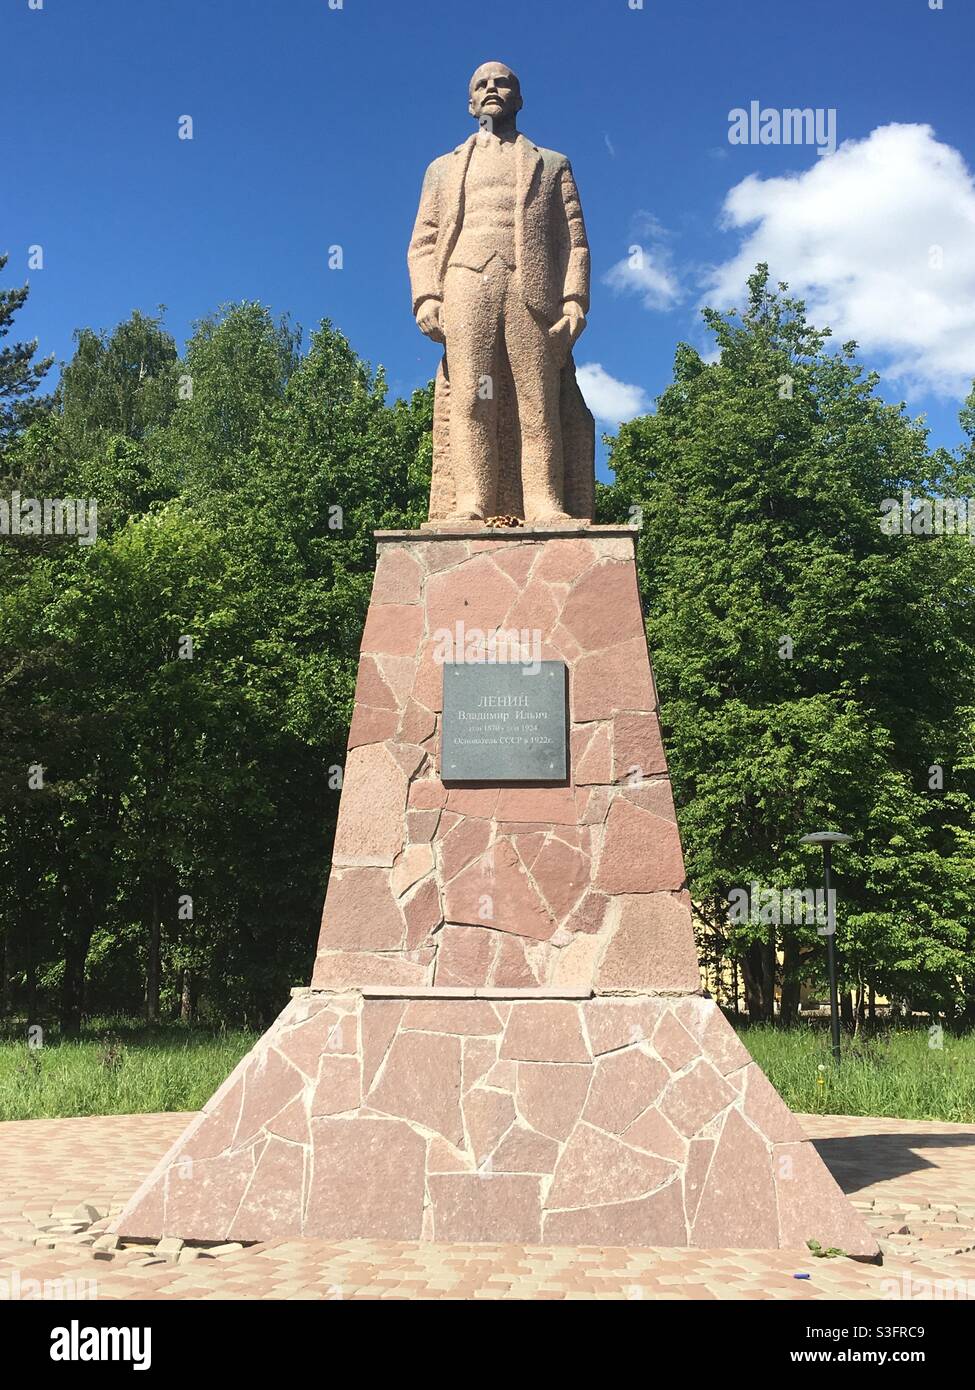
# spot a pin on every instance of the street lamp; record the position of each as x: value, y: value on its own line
x: 829, y: 838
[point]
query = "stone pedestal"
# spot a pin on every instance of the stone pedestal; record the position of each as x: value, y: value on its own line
x: 505, y: 1038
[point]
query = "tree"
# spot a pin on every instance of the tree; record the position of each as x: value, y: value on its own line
x: 174, y: 854
x: 190, y: 791
x: 20, y: 374
x: 803, y: 683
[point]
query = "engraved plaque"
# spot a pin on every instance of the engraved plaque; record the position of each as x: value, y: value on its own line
x: 503, y: 722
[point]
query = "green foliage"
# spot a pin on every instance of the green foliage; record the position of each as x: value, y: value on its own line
x: 118, y: 385
x: 833, y: 1252
x: 811, y: 668
x: 186, y: 682
x: 115, y: 1069
x: 892, y: 1072
x: 20, y: 374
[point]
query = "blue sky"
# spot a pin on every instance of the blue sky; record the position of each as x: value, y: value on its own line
x: 312, y: 127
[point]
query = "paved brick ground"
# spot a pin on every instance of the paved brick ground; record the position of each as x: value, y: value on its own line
x: 60, y: 1180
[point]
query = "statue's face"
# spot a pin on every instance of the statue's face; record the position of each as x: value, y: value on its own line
x: 495, y: 94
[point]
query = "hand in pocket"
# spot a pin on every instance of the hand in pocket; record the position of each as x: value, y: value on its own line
x: 560, y: 336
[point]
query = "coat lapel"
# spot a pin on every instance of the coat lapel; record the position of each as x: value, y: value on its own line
x: 527, y: 173
x: 453, y: 191
x: 529, y: 165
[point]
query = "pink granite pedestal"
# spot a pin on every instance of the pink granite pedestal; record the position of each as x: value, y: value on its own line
x: 505, y: 1037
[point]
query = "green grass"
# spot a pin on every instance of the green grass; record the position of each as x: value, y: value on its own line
x: 891, y: 1073
x: 121, y: 1069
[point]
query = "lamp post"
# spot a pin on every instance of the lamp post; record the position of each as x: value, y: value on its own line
x: 829, y: 838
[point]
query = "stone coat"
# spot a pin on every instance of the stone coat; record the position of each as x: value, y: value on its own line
x: 551, y: 249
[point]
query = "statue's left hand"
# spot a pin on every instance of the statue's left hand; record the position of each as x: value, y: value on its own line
x: 577, y: 320
x: 568, y: 328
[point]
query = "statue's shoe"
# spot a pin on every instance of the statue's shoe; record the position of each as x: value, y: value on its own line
x: 468, y: 509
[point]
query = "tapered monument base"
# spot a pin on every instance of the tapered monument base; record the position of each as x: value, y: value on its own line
x: 505, y: 1038
x: 636, y: 1120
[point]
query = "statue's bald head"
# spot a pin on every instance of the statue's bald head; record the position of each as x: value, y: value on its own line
x: 495, y: 95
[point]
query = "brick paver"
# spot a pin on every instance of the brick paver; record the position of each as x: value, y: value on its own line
x: 914, y: 1180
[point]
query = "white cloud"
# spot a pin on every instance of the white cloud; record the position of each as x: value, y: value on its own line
x: 638, y: 275
x: 858, y: 236
x: 646, y: 269
x: 611, y: 401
